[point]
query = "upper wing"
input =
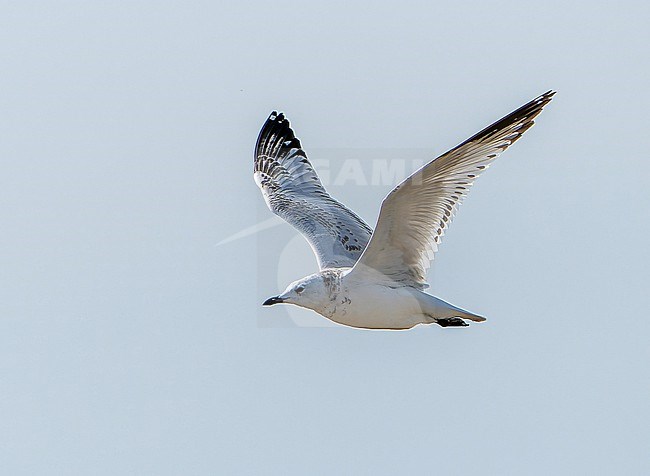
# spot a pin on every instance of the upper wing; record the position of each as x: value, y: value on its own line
x: 415, y: 215
x: 293, y: 191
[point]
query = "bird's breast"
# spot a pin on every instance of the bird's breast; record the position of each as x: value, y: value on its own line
x: 374, y: 306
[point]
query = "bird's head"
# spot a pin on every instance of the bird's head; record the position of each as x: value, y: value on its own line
x: 310, y: 292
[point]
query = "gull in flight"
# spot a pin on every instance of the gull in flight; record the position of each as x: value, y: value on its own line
x: 376, y: 280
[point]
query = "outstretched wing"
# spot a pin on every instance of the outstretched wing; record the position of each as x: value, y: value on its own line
x: 415, y: 215
x: 293, y: 191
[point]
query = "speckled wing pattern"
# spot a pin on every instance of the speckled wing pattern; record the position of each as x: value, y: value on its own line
x: 415, y: 215
x: 293, y: 191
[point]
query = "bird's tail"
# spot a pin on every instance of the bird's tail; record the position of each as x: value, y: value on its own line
x: 468, y: 315
x: 441, y: 310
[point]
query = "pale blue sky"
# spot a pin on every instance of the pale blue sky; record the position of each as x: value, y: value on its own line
x: 131, y: 344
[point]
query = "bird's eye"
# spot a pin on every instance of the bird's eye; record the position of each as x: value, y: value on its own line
x: 300, y: 289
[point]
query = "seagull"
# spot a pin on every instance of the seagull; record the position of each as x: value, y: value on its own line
x: 376, y: 279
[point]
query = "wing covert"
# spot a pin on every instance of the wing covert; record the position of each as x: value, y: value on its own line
x: 415, y: 215
x: 293, y: 191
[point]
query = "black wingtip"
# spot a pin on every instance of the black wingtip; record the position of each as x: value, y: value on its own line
x: 276, y: 135
x: 277, y: 117
x: 547, y: 96
x: 540, y: 101
x: 525, y: 114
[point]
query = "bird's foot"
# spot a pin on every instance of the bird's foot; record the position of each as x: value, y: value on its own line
x: 451, y: 322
